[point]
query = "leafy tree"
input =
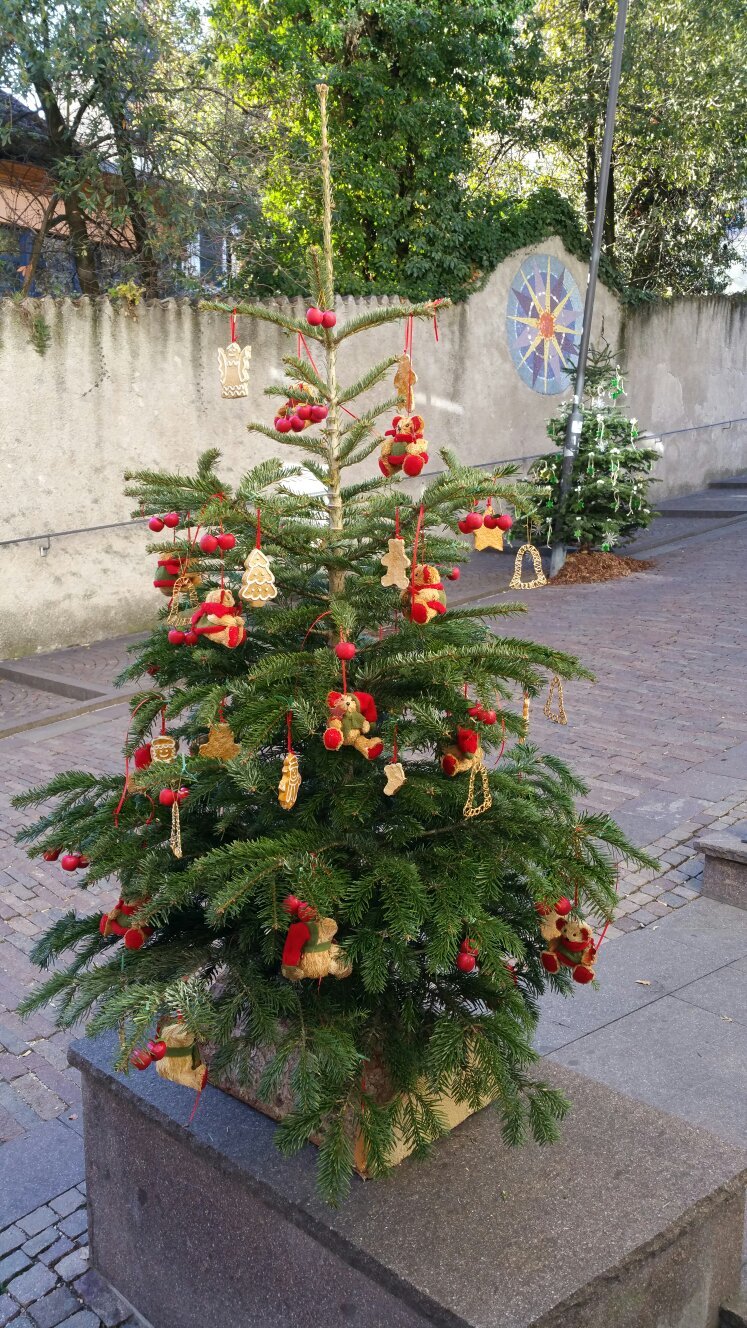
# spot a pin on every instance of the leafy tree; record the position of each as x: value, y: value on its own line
x: 680, y: 162
x: 409, y: 878
x: 142, y: 146
x: 414, y: 85
x: 608, y: 500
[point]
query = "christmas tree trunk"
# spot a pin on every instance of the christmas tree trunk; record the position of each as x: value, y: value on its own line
x: 377, y: 946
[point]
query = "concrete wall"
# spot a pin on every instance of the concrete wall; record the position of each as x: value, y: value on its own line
x: 687, y: 367
x: 122, y: 389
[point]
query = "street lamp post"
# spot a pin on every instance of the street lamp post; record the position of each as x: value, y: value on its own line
x: 575, y: 419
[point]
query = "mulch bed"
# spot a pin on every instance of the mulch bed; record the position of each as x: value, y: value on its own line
x: 581, y: 568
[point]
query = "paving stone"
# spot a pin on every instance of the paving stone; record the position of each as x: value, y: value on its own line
x: 32, y: 1285
x: 11, y: 1238
x: 74, y: 1224
x: 37, y: 1220
x: 708, y: 1088
x: 41, y: 1242
x: 54, y: 1308
x: 83, y: 1319
x: 73, y: 1265
x: 102, y: 1299
x: 35, y: 1166
x: 61, y: 1247
x: 8, y: 1308
x: 67, y: 1203
x: 12, y: 1264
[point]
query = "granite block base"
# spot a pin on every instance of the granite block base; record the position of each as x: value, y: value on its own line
x: 725, y: 867
x: 634, y: 1220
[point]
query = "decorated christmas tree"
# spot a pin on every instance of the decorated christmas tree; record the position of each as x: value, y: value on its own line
x: 341, y: 873
x: 608, y: 500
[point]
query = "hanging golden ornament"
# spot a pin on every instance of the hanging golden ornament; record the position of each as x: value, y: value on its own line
x: 540, y: 579
x: 234, y: 370
x: 175, y: 838
x: 396, y: 562
x: 163, y: 748
x: 290, y: 782
x: 470, y: 809
x: 525, y: 717
x: 257, y: 583
x: 395, y: 777
x: 183, y: 586
x: 488, y: 539
x: 557, y: 716
x: 220, y: 744
x: 405, y: 380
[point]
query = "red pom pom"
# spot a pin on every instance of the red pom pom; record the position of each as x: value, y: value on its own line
x: 283, y: 426
x: 69, y: 861
x: 167, y: 797
x: 51, y: 854
x: 83, y: 861
x: 318, y: 413
x: 328, y: 318
x: 504, y: 522
x: 454, y: 574
x: 153, y: 670
x: 209, y: 543
x: 142, y: 757
x: 155, y: 523
x: 182, y: 795
x: 466, y: 963
x: 345, y: 650
x: 134, y: 938
x: 463, y: 526
x: 563, y: 907
x: 467, y: 741
x: 226, y: 541
x: 468, y: 946
x: 490, y: 522
x: 488, y: 716
x: 475, y: 711
x: 303, y: 412
x: 171, y: 520
x: 157, y: 1050
x: 314, y: 316
x: 140, y: 1059
x: 473, y: 520
x: 296, y: 423
x: 191, y: 638
x: 291, y: 904
x: 332, y: 739
x: 176, y: 637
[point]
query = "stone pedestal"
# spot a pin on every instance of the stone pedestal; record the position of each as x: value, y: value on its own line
x: 634, y: 1220
x: 725, y: 867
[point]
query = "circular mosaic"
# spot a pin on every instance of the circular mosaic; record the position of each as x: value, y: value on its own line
x: 543, y: 323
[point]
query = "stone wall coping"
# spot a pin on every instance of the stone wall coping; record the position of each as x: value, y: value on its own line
x: 721, y: 844
x: 481, y: 1235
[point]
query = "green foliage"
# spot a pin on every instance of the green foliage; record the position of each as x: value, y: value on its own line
x: 413, y: 88
x: 406, y: 878
x: 608, y: 500
x: 680, y: 160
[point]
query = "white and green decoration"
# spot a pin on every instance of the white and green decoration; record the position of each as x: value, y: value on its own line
x: 608, y: 501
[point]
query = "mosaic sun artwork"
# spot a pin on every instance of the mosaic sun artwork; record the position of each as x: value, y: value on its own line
x: 543, y: 323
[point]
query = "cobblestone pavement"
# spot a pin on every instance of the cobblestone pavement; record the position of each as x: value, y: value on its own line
x: 44, y: 1275
x: 661, y: 737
